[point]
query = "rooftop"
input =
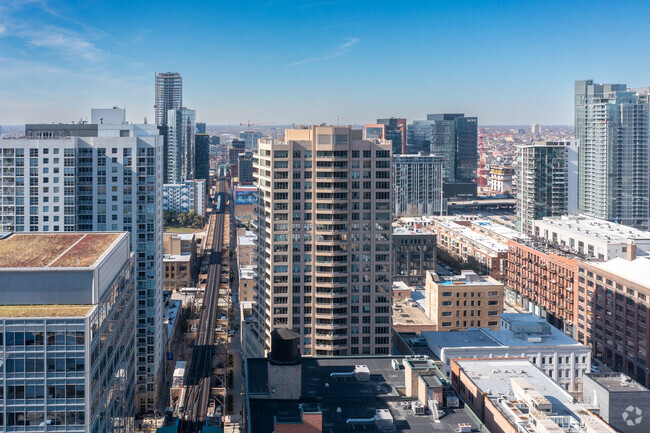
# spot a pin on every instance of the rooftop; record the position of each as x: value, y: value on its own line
x: 594, y: 228
x: 465, y: 278
x: 19, y: 311
x: 408, y: 314
x: 340, y: 399
x: 495, y: 376
x: 177, y: 258
x: 636, y: 271
x: 617, y: 382
x: 54, y: 250
x: 471, y: 338
x: 247, y: 272
x: 248, y: 239
x: 499, y: 229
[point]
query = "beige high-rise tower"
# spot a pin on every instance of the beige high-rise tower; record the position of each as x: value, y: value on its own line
x: 324, y: 240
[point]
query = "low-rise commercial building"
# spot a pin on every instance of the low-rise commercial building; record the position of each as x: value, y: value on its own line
x: 463, y: 301
x: 247, y: 277
x: 246, y: 248
x: 513, y: 395
x: 414, y: 253
x: 178, y: 260
x: 286, y: 393
x: 593, y: 237
x: 618, y: 400
x: 520, y: 335
x: 67, y: 322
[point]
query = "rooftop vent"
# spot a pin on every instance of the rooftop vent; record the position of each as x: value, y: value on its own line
x: 284, y: 347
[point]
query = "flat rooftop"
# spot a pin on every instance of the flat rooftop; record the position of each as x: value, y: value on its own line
x: 54, y: 250
x: 405, y: 314
x: 177, y: 258
x: 465, y: 278
x: 594, y: 229
x: 345, y: 398
x: 498, y: 229
x: 43, y: 311
x: 471, y: 338
x: 636, y: 271
x: 617, y: 382
x: 493, y: 376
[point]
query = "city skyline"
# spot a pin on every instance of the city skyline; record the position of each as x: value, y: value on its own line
x: 61, y: 57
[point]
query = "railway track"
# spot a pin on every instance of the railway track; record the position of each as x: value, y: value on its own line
x: 195, y: 404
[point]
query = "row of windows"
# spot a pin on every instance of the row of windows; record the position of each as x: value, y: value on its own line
x: 54, y: 338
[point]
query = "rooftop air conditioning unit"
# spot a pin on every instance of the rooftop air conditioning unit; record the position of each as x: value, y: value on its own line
x: 418, y: 408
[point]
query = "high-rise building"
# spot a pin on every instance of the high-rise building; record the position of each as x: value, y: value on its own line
x: 245, y: 168
x: 169, y: 95
x: 202, y: 157
x: 324, y: 240
x: 201, y: 128
x: 395, y: 130
x: 106, y: 183
x: 536, y: 129
x: 452, y: 136
x: 187, y: 196
x: 67, y: 322
x: 180, y: 150
x: 546, y: 181
x: 612, y: 129
x: 417, y: 185
x: 250, y: 138
x: 237, y: 147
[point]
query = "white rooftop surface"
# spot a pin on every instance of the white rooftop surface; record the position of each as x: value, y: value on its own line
x: 636, y: 271
x: 495, y: 375
x: 594, y: 228
x: 248, y: 239
x: 484, y: 337
x: 400, y: 285
x: 247, y: 272
x: 186, y: 236
x: 177, y: 258
x: 479, y: 238
x: 500, y: 230
x: 404, y: 230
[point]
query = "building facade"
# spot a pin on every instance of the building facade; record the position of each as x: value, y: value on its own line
x: 184, y: 197
x: 612, y: 313
x: 98, y: 184
x: 546, y: 181
x: 540, y: 278
x: 523, y: 335
x: 500, y: 179
x: 414, y: 253
x: 417, y: 185
x: 324, y: 240
x: 245, y: 168
x: 611, y: 125
x: 593, y: 237
x: 237, y: 147
x: 169, y: 95
x: 181, y: 151
x: 250, y: 139
x: 67, y: 321
x: 463, y: 301
x: 202, y: 157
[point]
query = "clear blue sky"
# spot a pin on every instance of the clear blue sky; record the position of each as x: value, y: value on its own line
x: 508, y: 62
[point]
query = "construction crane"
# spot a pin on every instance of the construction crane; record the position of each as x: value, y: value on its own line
x: 249, y: 124
x: 481, y: 176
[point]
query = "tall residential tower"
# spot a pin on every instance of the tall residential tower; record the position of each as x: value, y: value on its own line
x: 169, y: 95
x: 546, y: 181
x: 324, y: 240
x: 612, y: 127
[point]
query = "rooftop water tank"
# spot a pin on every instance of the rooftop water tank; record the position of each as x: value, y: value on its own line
x: 284, y: 347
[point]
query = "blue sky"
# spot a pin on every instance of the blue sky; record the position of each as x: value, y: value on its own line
x: 507, y: 62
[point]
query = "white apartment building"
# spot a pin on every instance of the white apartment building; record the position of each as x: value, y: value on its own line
x: 105, y: 183
x: 184, y: 197
x: 593, y: 237
x: 324, y: 240
x: 522, y: 335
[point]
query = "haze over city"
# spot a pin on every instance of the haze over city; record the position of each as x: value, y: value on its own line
x: 310, y: 62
